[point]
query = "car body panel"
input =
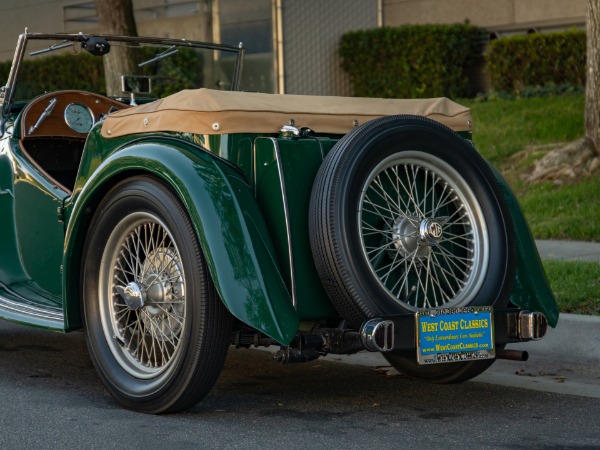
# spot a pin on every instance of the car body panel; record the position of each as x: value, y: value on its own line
x: 222, y: 209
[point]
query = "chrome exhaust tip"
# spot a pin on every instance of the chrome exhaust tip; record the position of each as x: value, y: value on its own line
x: 377, y: 335
x: 531, y: 326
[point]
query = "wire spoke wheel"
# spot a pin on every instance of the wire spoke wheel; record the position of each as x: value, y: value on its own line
x: 143, y: 308
x: 423, y: 232
x: 156, y: 329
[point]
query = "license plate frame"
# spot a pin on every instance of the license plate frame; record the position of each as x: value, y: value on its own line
x: 455, y: 334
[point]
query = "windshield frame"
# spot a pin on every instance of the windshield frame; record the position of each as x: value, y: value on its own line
x: 7, y: 92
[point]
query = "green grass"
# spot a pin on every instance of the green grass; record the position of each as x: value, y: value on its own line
x: 576, y: 285
x: 505, y: 127
x: 513, y: 134
x: 569, y: 212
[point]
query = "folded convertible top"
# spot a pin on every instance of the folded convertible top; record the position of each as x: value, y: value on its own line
x: 206, y: 111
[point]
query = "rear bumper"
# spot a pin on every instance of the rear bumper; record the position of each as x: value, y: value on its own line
x: 398, y: 333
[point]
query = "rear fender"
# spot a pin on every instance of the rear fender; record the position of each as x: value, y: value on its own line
x: 225, y: 216
x: 531, y: 290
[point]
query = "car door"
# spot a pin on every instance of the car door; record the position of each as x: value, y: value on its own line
x: 31, y: 232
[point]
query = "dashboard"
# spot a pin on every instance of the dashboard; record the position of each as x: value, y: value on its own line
x: 65, y: 114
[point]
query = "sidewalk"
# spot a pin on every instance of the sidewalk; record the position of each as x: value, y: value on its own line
x: 569, y: 250
x: 565, y: 361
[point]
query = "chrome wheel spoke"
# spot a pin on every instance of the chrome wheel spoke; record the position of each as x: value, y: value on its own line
x: 422, y: 230
x: 147, y: 310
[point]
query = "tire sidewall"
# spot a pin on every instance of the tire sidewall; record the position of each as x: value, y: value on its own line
x: 362, y: 151
x: 121, y: 201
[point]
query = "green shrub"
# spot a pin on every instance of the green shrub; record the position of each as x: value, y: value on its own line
x: 412, y: 60
x: 183, y: 70
x: 57, y: 72
x: 537, y: 60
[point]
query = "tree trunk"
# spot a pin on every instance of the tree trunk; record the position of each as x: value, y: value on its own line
x: 582, y: 157
x: 116, y: 17
x: 592, y: 88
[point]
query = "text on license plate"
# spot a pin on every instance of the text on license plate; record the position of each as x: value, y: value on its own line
x: 455, y: 334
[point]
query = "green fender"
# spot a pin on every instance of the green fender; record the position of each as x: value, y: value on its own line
x: 230, y: 227
x: 531, y: 290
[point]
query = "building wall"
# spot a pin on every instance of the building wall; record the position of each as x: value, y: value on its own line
x: 495, y: 15
x: 291, y: 45
x: 311, y: 34
x: 177, y: 19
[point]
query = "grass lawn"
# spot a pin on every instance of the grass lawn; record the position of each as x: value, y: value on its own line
x: 512, y: 134
x: 576, y: 285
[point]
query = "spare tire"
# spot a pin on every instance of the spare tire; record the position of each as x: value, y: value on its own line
x: 405, y: 215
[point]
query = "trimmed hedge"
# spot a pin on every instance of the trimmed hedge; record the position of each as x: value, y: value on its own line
x: 537, y: 59
x: 59, y: 72
x: 412, y: 60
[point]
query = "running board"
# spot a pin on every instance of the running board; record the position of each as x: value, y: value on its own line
x: 48, y: 317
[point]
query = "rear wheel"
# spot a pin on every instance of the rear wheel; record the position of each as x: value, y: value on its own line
x: 156, y: 330
x: 406, y: 216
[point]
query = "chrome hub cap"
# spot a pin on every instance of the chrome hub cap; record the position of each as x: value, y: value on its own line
x: 132, y: 295
x: 431, y: 230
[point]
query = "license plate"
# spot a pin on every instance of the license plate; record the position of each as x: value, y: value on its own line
x: 455, y: 334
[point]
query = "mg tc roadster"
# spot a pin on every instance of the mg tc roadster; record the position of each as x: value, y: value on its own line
x: 175, y: 217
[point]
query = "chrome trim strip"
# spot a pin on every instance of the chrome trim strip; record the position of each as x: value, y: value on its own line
x: 48, y: 312
x: 286, y: 214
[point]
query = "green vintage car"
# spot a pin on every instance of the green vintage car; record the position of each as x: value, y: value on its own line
x: 175, y: 218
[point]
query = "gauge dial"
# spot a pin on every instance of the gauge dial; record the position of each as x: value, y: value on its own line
x: 79, y: 117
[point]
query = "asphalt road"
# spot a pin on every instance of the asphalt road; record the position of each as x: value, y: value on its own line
x: 51, y: 398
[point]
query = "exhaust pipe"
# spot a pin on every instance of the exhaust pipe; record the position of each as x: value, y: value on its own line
x: 513, y: 355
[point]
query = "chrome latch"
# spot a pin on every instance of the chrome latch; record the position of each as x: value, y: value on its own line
x: 289, y: 131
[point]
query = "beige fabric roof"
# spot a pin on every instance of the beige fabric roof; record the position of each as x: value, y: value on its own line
x: 206, y: 111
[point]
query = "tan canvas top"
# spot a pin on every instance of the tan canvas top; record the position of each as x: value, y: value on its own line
x: 206, y: 111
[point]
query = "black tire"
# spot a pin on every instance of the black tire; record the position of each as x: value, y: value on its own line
x: 156, y: 330
x: 405, y: 215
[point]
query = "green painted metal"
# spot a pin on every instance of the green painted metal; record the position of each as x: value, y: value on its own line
x: 222, y: 207
x: 285, y: 170
x: 531, y: 290
x: 11, y: 266
x: 32, y: 235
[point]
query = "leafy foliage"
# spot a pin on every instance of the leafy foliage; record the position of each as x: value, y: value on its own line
x: 536, y: 60
x: 83, y: 72
x: 182, y: 70
x: 412, y: 61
